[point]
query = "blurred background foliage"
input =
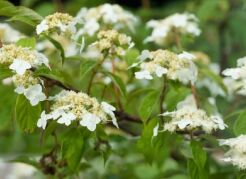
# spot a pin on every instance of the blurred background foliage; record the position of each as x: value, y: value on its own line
x: 223, y: 39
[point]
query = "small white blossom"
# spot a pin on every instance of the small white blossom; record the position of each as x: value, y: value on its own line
x: 66, y: 118
x: 34, y: 94
x: 20, y: 66
x: 143, y: 75
x: 42, y: 27
x: 90, y: 121
x: 42, y: 122
x: 109, y: 109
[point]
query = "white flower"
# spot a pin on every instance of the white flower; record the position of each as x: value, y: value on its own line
x: 34, y: 94
x: 143, y: 75
x: 155, y: 130
x: 20, y: 66
x: 186, y: 55
x: 20, y: 89
x: 160, y: 71
x: 90, y: 121
x: 43, y: 26
x: 42, y: 122
x: 66, y: 118
x: 183, y: 123
x: 109, y: 109
x: 8, y: 34
x: 219, y: 121
x: 237, y: 152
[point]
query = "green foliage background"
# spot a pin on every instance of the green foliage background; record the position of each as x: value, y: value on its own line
x: 223, y: 24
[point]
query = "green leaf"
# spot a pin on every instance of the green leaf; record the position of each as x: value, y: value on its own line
x: 26, y: 115
x: 27, y: 42
x: 199, y: 154
x: 193, y: 169
x: 131, y: 56
x: 86, y: 67
x: 153, y: 149
x: 51, y: 74
x: 240, y: 124
x: 5, y: 72
x: 72, y: 148
x: 118, y: 83
x: 58, y: 46
x: 19, y: 13
x: 148, y: 104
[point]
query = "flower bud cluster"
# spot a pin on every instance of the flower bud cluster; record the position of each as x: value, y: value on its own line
x: 69, y: 106
x: 113, y: 42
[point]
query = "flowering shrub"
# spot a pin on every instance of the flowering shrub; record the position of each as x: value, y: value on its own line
x: 89, y: 88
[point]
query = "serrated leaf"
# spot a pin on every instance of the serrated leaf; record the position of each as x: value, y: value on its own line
x: 86, y: 67
x: 118, y: 83
x: 27, y: 42
x: 72, y: 148
x: 19, y: 13
x: 58, y: 46
x: 26, y: 115
x: 147, y: 105
x: 240, y: 124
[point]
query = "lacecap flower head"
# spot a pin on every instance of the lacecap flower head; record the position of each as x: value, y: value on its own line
x: 166, y: 29
x: 236, y: 77
x: 71, y: 106
x: 104, y: 16
x: 188, y: 117
x: 57, y: 22
x: 237, y: 152
x: 163, y: 62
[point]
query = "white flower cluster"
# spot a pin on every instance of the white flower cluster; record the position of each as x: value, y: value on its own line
x: 166, y: 29
x: 113, y: 42
x: 8, y: 34
x: 237, y: 152
x: 236, y: 80
x: 106, y: 15
x: 69, y: 106
x: 21, y: 60
x: 58, y: 22
x: 163, y: 62
x: 188, y: 117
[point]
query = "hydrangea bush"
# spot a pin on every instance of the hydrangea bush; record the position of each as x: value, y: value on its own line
x: 89, y: 89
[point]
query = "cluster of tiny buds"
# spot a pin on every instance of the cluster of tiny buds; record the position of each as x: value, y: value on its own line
x: 113, y: 42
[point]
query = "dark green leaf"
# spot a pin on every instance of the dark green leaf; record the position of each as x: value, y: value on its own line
x: 19, y: 13
x: 240, y: 124
x: 86, y: 67
x: 5, y: 72
x: 148, y: 104
x: 26, y: 115
x: 193, y: 169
